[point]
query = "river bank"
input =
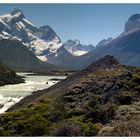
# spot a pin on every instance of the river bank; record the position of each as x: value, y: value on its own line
x: 11, y: 94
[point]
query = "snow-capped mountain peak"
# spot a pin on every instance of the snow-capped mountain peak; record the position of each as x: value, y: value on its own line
x: 17, y: 11
x: 76, y: 48
x: 77, y: 42
x: 15, y: 16
x: 42, y: 41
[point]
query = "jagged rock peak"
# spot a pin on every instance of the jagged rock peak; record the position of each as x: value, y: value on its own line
x: 17, y: 11
x: 133, y: 23
x: 134, y: 17
x: 45, y: 28
x: 104, y: 42
x: 47, y: 33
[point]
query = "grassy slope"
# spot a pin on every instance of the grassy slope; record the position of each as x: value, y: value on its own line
x: 84, y: 104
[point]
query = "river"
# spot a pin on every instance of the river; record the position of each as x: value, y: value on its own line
x: 11, y: 94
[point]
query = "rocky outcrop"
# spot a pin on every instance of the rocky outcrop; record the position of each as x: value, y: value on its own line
x: 104, y: 42
x: 133, y: 23
x: 8, y: 76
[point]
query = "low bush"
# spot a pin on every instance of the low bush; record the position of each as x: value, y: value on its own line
x: 136, y: 78
x: 92, y: 129
x: 67, y: 129
x: 124, y: 98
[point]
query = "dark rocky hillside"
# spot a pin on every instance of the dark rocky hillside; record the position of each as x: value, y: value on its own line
x: 101, y: 100
x: 8, y: 76
x: 15, y: 55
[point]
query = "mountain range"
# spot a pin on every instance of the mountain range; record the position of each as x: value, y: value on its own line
x: 125, y: 47
x: 75, y: 47
x: 43, y: 42
x: 15, y: 50
x: 42, y: 47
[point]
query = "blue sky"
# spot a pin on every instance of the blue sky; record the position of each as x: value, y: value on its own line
x: 89, y: 23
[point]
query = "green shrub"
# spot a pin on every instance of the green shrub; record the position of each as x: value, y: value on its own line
x: 136, y: 78
x: 3, y: 132
x: 124, y: 98
x: 110, y: 112
x: 94, y: 101
x: 92, y: 129
x: 46, y: 100
x: 87, y: 127
x: 96, y: 113
x: 100, y: 113
x: 67, y: 129
x: 137, y: 88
